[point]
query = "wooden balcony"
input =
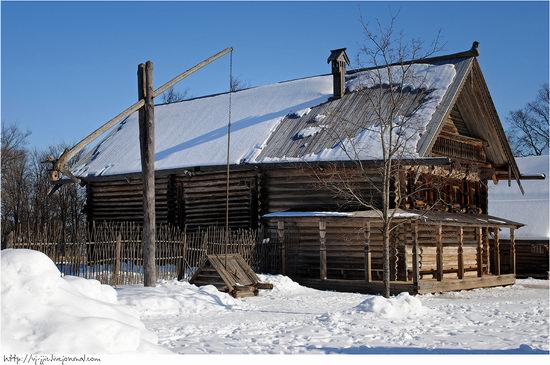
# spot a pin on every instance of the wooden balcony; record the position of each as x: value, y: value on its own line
x: 460, y: 147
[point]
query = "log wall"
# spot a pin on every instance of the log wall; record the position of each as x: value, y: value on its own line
x: 122, y: 200
x: 532, y: 258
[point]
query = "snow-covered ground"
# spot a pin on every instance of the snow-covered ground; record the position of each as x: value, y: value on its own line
x: 44, y: 312
x: 294, y: 319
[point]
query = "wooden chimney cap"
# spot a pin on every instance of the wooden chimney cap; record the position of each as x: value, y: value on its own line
x: 338, y: 55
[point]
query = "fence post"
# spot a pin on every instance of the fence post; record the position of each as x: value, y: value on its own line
x: 118, y: 250
x: 181, y: 270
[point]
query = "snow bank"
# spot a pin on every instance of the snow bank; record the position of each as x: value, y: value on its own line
x: 282, y: 285
x: 400, y: 306
x: 43, y: 312
x: 176, y: 298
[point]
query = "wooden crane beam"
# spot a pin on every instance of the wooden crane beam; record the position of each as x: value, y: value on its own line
x: 59, y: 165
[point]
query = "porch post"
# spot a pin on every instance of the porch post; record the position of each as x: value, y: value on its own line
x: 281, y: 237
x: 368, y: 259
x: 439, y: 253
x: 323, y: 249
x: 479, y: 252
x: 497, y: 251
x: 416, y: 274
x: 486, y: 249
x: 460, y: 255
x: 512, y: 251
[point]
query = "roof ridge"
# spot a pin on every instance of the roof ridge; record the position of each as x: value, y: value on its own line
x: 472, y: 52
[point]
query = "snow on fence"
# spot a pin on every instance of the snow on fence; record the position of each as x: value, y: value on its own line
x: 112, y: 252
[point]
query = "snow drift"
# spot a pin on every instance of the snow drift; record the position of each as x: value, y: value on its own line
x: 176, y: 298
x: 43, y: 312
x: 400, y: 306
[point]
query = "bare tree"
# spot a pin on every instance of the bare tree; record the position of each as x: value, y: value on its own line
x: 395, y: 92
x: 26, y: 205
x: 528, y: 131
x: 173, y: 96
x: 237, y: 84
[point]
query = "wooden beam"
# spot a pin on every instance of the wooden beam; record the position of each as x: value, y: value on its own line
x: 497, y: 251
x: 439, y: 253
x: 60, y: 164
x: 147, y: 149
x: 281, y: 238
x: 415, y: 270
x: 512, y: 251
x: 323, y: 249
x: 368, y: 258
x: 479, y: 251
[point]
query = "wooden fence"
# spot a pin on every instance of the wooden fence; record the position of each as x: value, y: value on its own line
x: 112, y: 252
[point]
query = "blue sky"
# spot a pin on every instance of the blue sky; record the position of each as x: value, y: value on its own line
x: 69, y: 67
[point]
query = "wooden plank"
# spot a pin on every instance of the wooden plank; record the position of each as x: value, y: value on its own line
x: 323, y: 249
x: 439, y: 254
x: 479, y: 251
x: 460, y: 253
x: 512, y: 251
x: 434, y: 286
x: 368, y: 258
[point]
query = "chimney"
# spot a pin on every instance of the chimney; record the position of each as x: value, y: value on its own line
x: 339, y: 60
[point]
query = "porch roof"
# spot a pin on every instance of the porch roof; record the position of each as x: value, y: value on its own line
x: 429, y: 217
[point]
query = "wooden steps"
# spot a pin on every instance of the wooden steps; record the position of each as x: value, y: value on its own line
x: 229, y: 273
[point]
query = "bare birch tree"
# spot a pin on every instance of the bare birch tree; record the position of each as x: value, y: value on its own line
x: 395, y: 99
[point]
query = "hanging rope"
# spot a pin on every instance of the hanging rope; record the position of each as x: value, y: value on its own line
x: 228, y: 151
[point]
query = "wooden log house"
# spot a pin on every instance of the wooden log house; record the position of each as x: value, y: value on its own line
x: 282, y: 146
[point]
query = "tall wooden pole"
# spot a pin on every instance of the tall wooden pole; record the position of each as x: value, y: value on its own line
x: 147, y: 148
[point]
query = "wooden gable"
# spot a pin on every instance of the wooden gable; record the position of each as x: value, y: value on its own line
x: 471, y: 130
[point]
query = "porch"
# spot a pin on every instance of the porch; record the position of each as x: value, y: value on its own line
x: 429, y: 251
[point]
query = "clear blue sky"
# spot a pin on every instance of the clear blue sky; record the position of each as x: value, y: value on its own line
x: 69, y: 67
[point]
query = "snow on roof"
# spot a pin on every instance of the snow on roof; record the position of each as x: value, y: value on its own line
x: 531, y: 208
x: 194, y: 132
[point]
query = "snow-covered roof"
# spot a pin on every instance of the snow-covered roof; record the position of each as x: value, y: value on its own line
x: 531, y: 208
x: 274, y: 123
